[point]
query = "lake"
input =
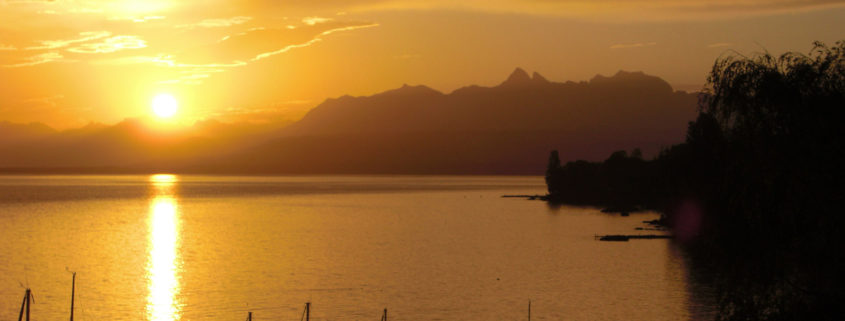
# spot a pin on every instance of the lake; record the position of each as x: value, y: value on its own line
x: 168, y: 247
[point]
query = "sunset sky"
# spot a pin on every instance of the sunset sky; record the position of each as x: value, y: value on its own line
x: 69, y: 63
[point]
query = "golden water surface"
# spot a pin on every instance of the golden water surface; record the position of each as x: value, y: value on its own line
x: 163, y: 265
x: 167, y: 247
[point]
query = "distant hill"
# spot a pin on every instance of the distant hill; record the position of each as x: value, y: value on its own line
x: 505, y: 129
x: 133, y: 145
x: 626, y: 101
x: 12, y: 133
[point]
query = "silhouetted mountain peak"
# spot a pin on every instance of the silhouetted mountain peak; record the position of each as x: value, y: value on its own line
x: 538, y: 78
x: 517, y: 77
x: 411, y: 90
x: 635, y: 79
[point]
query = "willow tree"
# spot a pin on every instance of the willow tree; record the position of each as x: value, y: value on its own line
x: 775, y: 203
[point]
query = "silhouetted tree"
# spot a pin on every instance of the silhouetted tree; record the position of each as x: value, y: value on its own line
x: 763, y: 162
x: 551, y: 169
x: 768, y: 155
x: 637, y: 153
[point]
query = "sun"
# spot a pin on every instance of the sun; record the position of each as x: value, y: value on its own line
x: 164, y: 105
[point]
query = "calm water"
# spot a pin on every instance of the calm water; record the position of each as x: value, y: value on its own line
x: 169, y: 247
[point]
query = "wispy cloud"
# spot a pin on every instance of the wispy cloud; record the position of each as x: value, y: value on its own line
x: 217, y: 23
x: 26, y: 1
x: 290, y: 110
x: 85, y: 36
x: 719, y: 44
x: 632, y: 45
x: 241, y: 49
x: 612, y: 10
x: 51, y: 101
x: 163, y: 61
x: 132, y: 60
x: 188, y: 74
x: 112, y: 44
x: 315, y: 20
x: 285, y: 49
x: 187, y: 78
x: 312, y: 41
x: 136, y: 18
x: 37, y: 60
x: 7, y: 47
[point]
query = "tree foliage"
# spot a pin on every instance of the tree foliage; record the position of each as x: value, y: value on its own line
x: 771, y: 130
x: 763, y: 161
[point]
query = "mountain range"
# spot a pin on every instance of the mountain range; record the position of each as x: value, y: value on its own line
x: 505, y: 129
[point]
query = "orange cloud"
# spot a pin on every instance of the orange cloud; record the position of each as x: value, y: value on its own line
x: 85, y: 36
x: 217, y: 23
x: 37, y: 60
x: 719, y: 44
x: 315, y: 20
x: 610, y: 10
x: 112, y: 44
x: 312, y: 41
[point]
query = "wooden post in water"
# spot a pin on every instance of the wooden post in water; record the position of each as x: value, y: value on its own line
x: 249, y: 316
x: 385, y: 314
x: 307, y: 311
x: 529, y: 309
x: 28, y: 302
x: 23, y: 304
x: 72, y: 294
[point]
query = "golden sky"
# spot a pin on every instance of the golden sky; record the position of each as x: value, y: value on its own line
x: 69, y: 63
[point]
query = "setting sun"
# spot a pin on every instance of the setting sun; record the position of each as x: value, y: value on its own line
x: 164, y: 105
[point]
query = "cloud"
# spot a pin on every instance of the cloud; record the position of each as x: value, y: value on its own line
x: 312, y: 41
x: 26, y: 1
x: 187, y: 74
x: 285, y: 49
x: 85, y: 37
x: 132, y: 60
x: 37, y: 60
x: 610, y: 10
x: 287, y: 111
x: 50, y: 101
x: 136, y: 18
x: 263, y: 42
x: 85, y: 10
x: 605, y: 10
x: 315, y: 20
x: 632, y: 45
x: 163, y: 61
x: 194, y: 75
x: 238, y: 50
x: 112, y: 44
x: 719, y: 44
x: 7, y: 47
x: 217, y: 23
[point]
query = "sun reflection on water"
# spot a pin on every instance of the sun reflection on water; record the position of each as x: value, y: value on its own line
x: 163, y: 262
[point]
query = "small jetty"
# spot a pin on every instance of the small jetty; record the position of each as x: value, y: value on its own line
x: 625, y: 238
